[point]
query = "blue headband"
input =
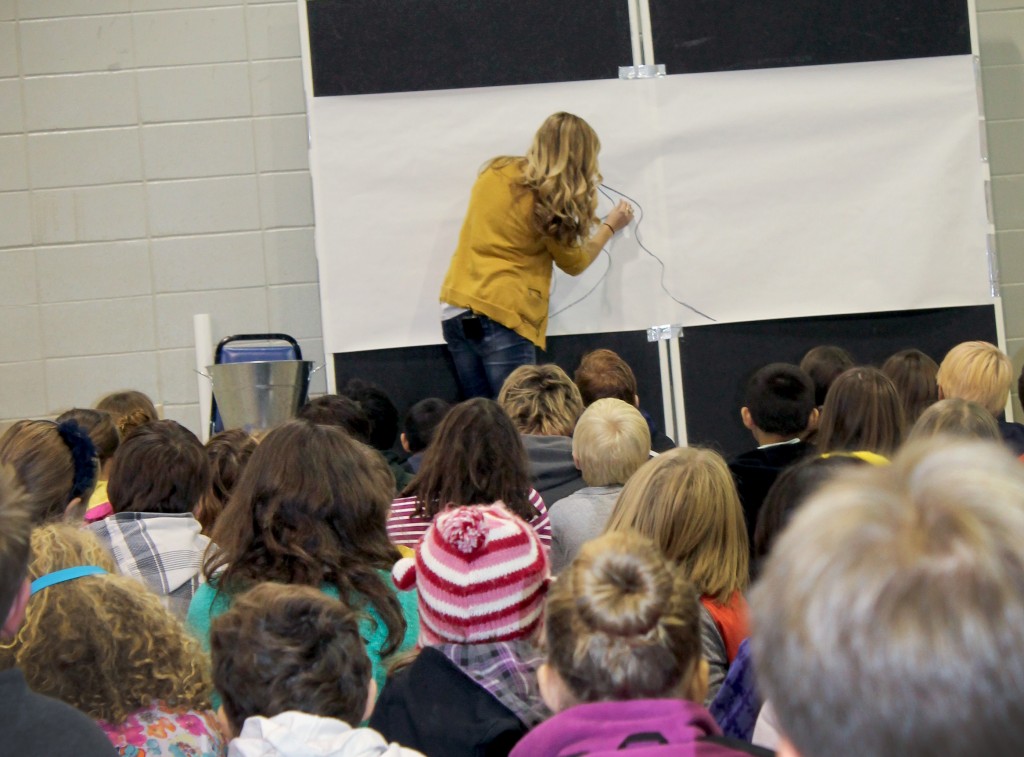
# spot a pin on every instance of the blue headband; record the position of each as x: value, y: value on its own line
x: 60, y: 576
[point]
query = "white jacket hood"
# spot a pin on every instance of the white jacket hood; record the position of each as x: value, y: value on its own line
x: 296, y: 734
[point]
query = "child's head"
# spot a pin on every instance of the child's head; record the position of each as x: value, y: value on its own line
x: 228, y: 453
x: 685, y: 501
x: 790, y: 490
x: 862, y: 412
x: 130, y: 409
x: 160, y: 467
x: 476, y: 457
x: 541, y: 400
x: 622, y: 623
x: 913, y: 374
x: 612, y: 440
x: 824, y: 364
x: 15, y: 524
x: 310, y: 509
x: 481, y: 575
x: 54, y: 464
x: 379, y: 408
x: 340, y: 411
x: 889, y: 619
x: 100, y: 426
x: 779, y: 400
x: 956, y: 417
x: 976, y: 371
x: 421, y: 422
x: 282, y: 648
x: 602, y: 374
x: 104, y: 643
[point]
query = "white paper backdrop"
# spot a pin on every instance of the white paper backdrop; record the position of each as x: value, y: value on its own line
x: 767, y: 194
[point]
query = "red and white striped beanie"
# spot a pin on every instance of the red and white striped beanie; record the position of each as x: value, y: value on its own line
x: 482, y: 575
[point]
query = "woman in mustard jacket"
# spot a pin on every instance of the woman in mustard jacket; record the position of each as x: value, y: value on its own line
x: 525, y: 215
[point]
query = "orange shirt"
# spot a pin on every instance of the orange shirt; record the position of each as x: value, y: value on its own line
x: 731, y: 620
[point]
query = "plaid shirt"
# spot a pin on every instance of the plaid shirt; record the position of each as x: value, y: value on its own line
x: 507, y: 670
x: 163, y: 551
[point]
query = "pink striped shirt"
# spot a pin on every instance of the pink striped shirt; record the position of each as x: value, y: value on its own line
x: 406, y: 528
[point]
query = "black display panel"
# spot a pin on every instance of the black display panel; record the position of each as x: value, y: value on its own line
x: 717, y: 360
x: 362, y: 47
x: 696, y: 36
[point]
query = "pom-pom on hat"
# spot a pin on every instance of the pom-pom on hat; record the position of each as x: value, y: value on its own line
x: 482, y: 575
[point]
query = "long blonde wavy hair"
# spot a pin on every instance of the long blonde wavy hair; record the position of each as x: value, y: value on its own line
x: 560, y: 168
x: 104, y: 644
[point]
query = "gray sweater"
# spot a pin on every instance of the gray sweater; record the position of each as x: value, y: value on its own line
x: 577, y: 519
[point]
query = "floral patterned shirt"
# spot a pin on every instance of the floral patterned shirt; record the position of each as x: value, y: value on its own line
x: 161, y: 732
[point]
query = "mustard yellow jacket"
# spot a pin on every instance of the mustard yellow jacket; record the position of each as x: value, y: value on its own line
x: 502, y: 265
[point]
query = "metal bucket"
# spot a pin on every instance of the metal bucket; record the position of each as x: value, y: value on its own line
x: 261, y: 394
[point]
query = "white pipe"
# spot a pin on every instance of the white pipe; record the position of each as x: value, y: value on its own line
x: 677, y: 390
x: 666, y: 389
x: 645, y: 35
x: 634, y: 33
x: 203, y: 329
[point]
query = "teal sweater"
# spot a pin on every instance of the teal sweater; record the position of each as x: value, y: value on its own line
x: 208, y: 603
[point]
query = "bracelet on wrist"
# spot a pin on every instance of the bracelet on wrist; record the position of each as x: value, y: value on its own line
x: 610, y: 228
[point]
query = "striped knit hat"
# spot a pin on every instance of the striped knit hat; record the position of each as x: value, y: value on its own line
x: 482, y: 575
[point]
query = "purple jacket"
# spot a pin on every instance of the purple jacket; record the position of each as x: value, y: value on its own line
x: 668, y: 728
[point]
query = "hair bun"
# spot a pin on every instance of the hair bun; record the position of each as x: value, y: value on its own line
x: 623, y: 593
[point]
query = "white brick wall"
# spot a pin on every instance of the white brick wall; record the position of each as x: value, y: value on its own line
x: 1001, y: 39
x: 153, y: 166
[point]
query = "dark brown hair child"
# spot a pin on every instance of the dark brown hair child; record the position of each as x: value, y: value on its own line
x: 476, y: 458
x: 290, y: 662
x: 913, y: 374
x: 158, y: 477
x: 420, y: 424
x: 862, y: 412
x: 130, y: 408
x: 228, y: 452
x: 311, y: 510
x: 778, y: 410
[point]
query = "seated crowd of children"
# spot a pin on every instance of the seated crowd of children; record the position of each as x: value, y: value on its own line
x: 541, y: 574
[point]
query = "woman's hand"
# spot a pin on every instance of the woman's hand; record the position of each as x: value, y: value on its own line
x: 620, y: 216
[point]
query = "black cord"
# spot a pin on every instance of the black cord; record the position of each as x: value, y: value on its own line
x: 590, y: 291
x: 643, y: 247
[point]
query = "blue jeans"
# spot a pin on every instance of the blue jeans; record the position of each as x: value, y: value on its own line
x: 483, y: 364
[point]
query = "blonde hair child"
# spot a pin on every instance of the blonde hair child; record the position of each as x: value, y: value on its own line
x: 611, y: 442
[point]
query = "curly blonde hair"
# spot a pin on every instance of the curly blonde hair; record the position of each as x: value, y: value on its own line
x: 560, y: 168
x: 104, y: 644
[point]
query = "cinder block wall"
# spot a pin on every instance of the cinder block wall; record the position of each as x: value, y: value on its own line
x: 153, y: 165
x: 1001, y: 40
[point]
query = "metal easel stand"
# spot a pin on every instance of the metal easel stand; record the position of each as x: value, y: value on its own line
x: 642, y: 44
x: 669, y: 358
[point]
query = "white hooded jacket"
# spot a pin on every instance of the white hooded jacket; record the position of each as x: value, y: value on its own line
x: 296, y: 734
